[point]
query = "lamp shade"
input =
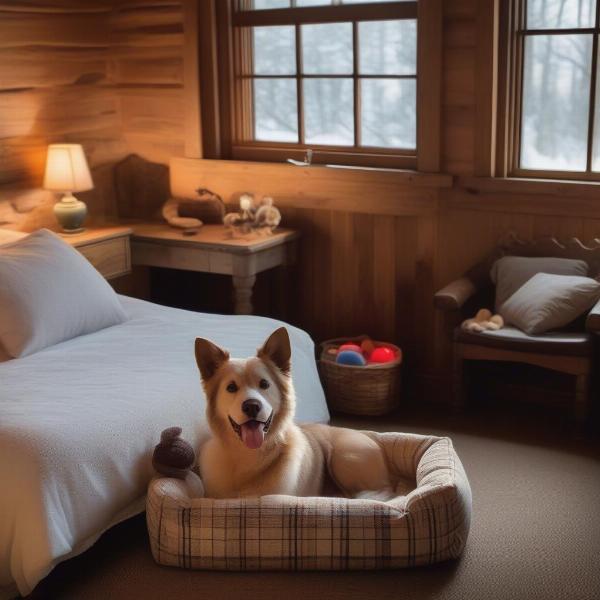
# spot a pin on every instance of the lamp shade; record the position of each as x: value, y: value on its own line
x: 67, y: 169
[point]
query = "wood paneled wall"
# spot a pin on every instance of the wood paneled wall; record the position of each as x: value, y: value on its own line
x: 55, y: 86
x: 147, y: 69
x: 113, y: 75
x: 104, y: 73
x: 458, y: 87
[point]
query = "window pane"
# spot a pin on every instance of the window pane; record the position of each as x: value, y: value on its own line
x: 312, y: 2
x: 388, y: 47
x: 262, y: 4
x: 560, y: 14
x: 275, y: 110
x: 556, y: 81
x: 329, y: 111
x: 389, y: 113
x: 274, y: 50
x: 327, y: 49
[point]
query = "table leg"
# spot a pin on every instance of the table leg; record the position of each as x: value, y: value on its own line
x: 242, y: 288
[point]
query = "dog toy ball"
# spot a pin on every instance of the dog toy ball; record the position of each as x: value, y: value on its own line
x: 382, y: 354
x: 350, y: 357
x: 352, y: 347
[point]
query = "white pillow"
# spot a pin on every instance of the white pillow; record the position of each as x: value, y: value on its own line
x: 50, y: 293
x: 511, y: 272
x: 548, y: 302
x: 10, y: 235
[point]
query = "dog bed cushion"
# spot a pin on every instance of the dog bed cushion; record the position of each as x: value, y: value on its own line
x: 427, y: 522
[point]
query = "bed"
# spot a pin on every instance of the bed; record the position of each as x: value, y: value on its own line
x: 79, y: 420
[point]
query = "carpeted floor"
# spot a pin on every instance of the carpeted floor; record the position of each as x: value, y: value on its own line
x: 535, y: 531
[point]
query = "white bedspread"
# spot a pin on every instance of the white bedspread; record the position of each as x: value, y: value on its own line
x: 79, y: 421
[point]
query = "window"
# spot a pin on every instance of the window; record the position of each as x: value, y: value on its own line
x: 555, y: 126
x: 338, y: 77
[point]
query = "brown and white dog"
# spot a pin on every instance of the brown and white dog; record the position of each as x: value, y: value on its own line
x: 256, y: 448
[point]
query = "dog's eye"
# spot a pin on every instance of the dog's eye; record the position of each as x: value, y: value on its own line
x: 232, y: 388
x: 264, y: 384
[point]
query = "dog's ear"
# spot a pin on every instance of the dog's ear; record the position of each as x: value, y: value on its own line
x: 277, y: 348
x: 209, y: 357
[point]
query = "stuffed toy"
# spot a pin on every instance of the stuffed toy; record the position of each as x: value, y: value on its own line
x: 483, y: 321
x: 174, y: 457
x: 254, y: 216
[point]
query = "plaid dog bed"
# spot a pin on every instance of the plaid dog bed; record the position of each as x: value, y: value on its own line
x: 427, y: 522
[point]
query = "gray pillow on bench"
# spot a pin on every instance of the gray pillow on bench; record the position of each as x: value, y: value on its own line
x: 547, y: 302
x: 511, y: 272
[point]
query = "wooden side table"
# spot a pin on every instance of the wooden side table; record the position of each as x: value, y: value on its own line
x: 214, y: 250
x: 105, y: 246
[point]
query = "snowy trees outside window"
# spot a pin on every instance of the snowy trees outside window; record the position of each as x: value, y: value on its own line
x: 346, y: 84
x: 558, y: 128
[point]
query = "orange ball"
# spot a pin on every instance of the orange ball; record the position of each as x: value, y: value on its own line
x: 367, y: 346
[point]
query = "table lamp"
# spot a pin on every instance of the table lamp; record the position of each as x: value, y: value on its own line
x: 67, y: 171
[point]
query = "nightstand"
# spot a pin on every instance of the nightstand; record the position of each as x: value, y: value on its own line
x: 106, y: 247
x: 213, y: 249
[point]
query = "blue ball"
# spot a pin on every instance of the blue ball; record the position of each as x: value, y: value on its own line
x: 350, y: 357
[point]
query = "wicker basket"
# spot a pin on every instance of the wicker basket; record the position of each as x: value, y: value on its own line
x: 370, y: 390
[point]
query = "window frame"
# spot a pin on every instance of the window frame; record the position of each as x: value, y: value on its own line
x: 221, y: 27
x: 512, y: 64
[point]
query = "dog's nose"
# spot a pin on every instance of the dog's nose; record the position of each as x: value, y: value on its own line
x: 251, y: 408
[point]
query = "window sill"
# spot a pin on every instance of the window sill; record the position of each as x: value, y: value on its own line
x: 365, y: 157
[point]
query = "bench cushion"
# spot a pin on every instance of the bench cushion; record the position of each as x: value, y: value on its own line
x: 427, y: 522
x: 511, y: 338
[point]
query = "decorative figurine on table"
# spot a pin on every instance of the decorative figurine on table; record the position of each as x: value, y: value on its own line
x: 254, y: 217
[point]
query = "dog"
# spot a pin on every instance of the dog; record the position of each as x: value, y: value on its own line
x: 256, y: 448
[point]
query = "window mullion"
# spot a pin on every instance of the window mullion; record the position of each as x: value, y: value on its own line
x: 299, y: 85
x: 355, y: 51
x: 521, y: 40
x: 325, y: 14
x: 592, y: 107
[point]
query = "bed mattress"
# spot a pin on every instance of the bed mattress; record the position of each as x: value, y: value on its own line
x: 79, y: 421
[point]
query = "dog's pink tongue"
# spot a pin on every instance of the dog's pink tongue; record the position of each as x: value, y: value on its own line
x: 253, y: 434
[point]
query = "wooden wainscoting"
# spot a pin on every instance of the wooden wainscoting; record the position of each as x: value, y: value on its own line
x: 368, y: 249
x: 377, y: 245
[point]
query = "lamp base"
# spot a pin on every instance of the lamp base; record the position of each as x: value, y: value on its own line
x: 70, y: 213
x: 68, y: 232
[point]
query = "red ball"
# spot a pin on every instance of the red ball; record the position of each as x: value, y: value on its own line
x: 352, y: 347
x: 383, y: 354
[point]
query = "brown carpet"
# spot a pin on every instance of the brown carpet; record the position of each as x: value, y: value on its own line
x: 535, y: 531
